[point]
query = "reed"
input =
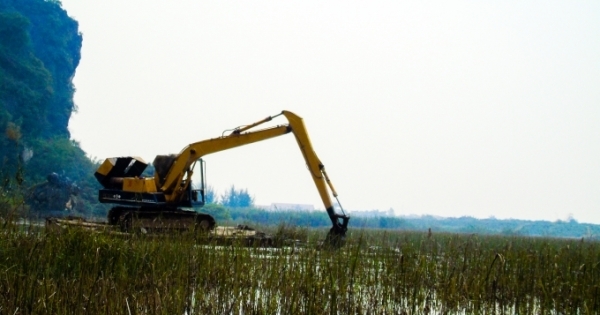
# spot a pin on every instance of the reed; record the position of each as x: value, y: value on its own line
x: 378, y: 272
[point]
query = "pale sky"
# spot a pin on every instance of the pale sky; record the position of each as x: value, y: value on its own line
x: 449, y: 108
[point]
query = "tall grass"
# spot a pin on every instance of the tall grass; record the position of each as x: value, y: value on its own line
x: 75, y: 271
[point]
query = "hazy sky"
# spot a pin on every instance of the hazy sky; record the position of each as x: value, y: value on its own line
x: 450, y: 108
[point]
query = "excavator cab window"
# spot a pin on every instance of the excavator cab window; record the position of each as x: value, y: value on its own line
x: 197, y: 188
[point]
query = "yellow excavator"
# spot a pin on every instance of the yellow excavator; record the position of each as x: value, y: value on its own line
x: 156, y: 202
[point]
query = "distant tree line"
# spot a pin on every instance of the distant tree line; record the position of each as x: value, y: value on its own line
x: 232, y: 214
x: 231, y: 198
x: 570, y: 228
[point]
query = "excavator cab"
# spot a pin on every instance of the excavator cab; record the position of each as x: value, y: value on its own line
x: 124, y: 184
x: 197, y: 189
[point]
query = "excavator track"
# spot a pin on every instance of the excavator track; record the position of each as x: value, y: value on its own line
x: 159, y: 220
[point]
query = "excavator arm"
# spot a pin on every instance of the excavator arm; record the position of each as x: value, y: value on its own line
x: 177, y: 179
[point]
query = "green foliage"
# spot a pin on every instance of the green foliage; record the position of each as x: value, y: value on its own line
x: 13, y: 31
x: 59, y: 155
x: 25, y: 84
x: 56, y: 42
x: 210, y: 196
x: 313, y: 219
x: 236, y: 198
x: 217, y: 211
x: 569, y: 229
x: 294, y: 218
x: 39, y: 52
x: 12, y: 196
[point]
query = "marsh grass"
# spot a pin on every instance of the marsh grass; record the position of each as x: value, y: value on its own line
x: 75, y: 272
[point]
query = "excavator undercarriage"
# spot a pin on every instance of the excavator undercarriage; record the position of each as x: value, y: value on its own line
x: 142, y: 206
x: 159, y: 220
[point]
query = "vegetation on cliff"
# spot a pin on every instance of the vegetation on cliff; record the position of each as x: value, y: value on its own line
x: 40, y: 49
